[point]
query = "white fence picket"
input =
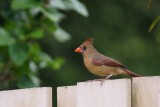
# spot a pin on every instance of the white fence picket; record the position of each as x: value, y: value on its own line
x: 34, y: 97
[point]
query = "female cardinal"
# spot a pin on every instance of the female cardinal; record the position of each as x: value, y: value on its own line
x: 100, y: 64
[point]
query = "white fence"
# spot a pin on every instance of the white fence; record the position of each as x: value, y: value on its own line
x: 34, y: 97
x: 138, y: 92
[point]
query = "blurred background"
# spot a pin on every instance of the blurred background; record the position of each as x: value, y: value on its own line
x: 38, y: 39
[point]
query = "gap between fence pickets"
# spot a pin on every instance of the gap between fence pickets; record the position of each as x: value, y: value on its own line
x: 113, y: 93
x: 32, y: 97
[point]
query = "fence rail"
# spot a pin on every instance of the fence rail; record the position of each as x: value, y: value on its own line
x: 138, y: 92
x: 34, y: 97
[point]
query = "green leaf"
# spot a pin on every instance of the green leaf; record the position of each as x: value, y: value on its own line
x: 19, y: 53
x: 5, y: 38
x: 29, y: 81
x: 36, y: 34
x: 79, y: 7
x: 154, y: 23
x: 65, y: 5
x: 59, y: 4
x: 34, y: 48
x: 33, y: 67
x: 44, y: 57
x: 35, y: 80
x: 22, y: 4
x: 61, y: 35
x: 53, y: 16
x: 51, y: 27
x: 57, y: 63
x: 24, y: 83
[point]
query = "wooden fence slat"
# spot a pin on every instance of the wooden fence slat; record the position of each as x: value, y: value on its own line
x: 110, y: 93
x: 146, y: 92
x: 67, y: 96
x: 34, y: 97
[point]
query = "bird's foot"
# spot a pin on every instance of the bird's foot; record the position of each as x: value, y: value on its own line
x: 101, y: 80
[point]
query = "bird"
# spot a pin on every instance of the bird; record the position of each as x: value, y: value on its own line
x: 99, y: 64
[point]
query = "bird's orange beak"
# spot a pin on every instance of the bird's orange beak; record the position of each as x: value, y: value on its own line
x: 78, y: 50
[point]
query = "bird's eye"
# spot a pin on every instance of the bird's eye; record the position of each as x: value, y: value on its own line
x: 84, y: 47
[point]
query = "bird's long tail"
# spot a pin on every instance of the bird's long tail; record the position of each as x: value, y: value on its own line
x: 131, y: 73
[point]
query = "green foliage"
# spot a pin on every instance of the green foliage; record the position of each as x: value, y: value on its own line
x: 154, y: 23
x: 23, y: 4
x: 24, y: 24
x: 149, y: 2
x: 19, y: 53
x: 36, y: 34
x: 5, y: 38
x: 70, y: 5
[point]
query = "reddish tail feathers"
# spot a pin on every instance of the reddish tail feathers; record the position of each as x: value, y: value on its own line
x: 131, y: 73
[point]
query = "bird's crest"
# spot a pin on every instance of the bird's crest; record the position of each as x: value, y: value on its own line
x: 89, y: 40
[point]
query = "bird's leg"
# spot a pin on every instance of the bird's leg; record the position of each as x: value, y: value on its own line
x: 103, y: 79
x: 109, y: 76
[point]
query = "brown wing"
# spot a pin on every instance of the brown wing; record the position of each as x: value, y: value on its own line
x: 107, y: 62
x: 103, y: 60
